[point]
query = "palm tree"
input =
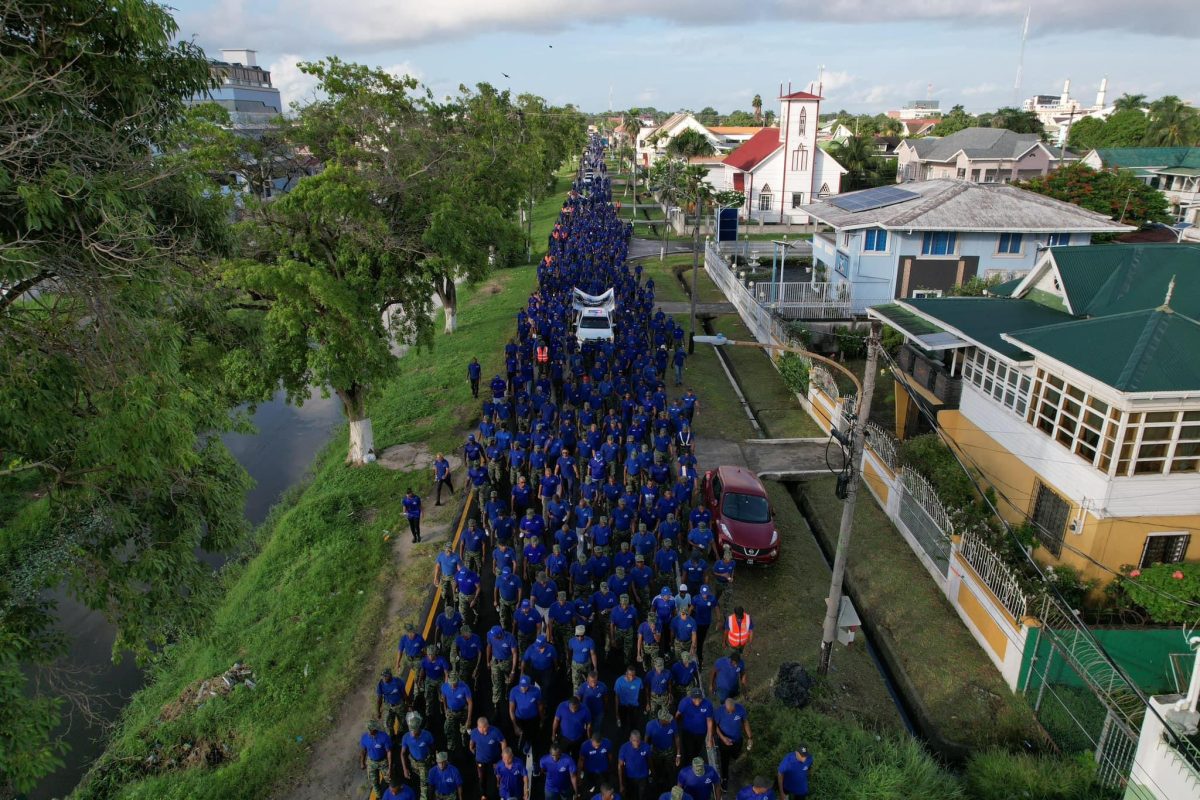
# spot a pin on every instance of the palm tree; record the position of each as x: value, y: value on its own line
x: 890, y: 127
x: 690, y: 143
x: 756, y: 104
x: 857, y: 155
x: 1172, y: 123
x: 633, y: 127
x: 1129, y: 102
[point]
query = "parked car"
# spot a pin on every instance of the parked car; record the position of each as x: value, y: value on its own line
x: 742, y: 514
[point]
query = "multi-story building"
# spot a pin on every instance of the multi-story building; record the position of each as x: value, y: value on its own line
x: 1058, y: 112
x: 1174, y: 171
x: 922, y: 239
x: 1075, y: 394
x: 243, y: 89
x: 982, y: 155
x: 918, y: 109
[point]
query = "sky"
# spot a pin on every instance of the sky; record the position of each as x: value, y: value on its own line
x: 874, y: 55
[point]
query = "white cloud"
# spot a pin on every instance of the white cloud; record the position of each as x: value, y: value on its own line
x: 832, y: 80
x: 981, y: 88
x: 403, y: 69
x: 294, y: 86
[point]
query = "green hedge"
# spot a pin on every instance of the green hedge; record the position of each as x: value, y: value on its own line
x: 795, y: 372
x: 999, y: 775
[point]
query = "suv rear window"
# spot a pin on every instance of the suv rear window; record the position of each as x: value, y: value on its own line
x: 746, y: 507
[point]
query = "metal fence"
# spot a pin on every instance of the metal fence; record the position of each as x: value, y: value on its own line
x: 883, y: 444
x: 995, y: 574
x: 805, y: 300
x: 926, y: 518
x: 767, y: 328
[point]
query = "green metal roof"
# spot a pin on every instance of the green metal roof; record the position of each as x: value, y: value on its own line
x: 1005, y: 289
x: 917, y: 329
x: 1101, y: 280
x: 1140, y: 351
x: 1131, y: 157
x: 983, y: 319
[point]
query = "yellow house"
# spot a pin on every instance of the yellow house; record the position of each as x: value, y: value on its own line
x: 1075, y: 393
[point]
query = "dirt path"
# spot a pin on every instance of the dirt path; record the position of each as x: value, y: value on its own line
x: 332, y: 772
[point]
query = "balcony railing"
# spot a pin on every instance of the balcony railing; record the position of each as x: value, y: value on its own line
x: 930, y: 375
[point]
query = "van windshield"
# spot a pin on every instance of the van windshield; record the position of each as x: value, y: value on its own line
x: 746, y: 507
x: 593, y: 322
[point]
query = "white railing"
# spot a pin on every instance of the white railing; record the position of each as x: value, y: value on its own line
x: 805, y: 300
x: 884, y: 445
x: 995, y: 574
x: 921, y: 490
x: 820, y: 377
x: 765, y: 327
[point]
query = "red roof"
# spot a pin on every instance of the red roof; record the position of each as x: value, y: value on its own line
x: 800, y: 96
x: 754, y: 149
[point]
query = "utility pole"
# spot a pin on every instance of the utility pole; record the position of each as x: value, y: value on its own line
x: 857, y: 436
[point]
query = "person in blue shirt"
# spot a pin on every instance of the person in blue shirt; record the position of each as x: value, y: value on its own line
x: 398, y: 791
x: 793, y: 774
x: 665, y: 561
x: 678, y: 358
x: 375, y: 755
x: 728, y: 676
x: 445, y: 780
x: 532, y: 525
x: 474, y: 544
x: 486, y: 742
x: 641, y: 576
x: 723, y: 576
x: 633, y: 767
x: 527, y: 711
x: 446, y: 564
x: 694, y: 571
x: 606, y: 792
x: 704, y: 605
x: 731, y: 725
x: 695, y: 715
x: 446, y: 625
x: 467, y: 654
x: 562, y: 624
x: 759, y: 790
x: 700, y: 781
x: 503, y: 557
x: 410, y: 650
x: 457, y: 705
x: 511, y: 776
x: 430, y: 674
x: 390, y: 692
x: 467, y: 586
x: 557, y: 564
x: 567, y: 469
x: 522, y: 496
x: 473, y: 453
x: 474, y: 371
x: 412, y: 512
x: 595, y: 761
x: 623, y: 622
x: 416, y: 752
x: 572, y: 723
x: 665, y: 746
x: 441, y: 476
x: 559, y: 768
x: 701, y: 538
x: 629, y: 700
x: 533, y: 557
x: 506, y: 594
x: 683, y: 633
x: 529, y: 623
x: 548, y: 486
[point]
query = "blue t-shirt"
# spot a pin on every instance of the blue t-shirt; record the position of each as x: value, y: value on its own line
x: 685, y: 676
x: 635, y: 759
x: 510, y: 779
x: 624, y: 618
x: 561, y: 613
x: 659, y: 681
x: 527, y: 620
x: 558, y: 773
x: 466, y: 581
x: 694, y: 717
x: 419, y: 747
x: 412, y: 506
x: 661, y: 736
x: 456, y: 696
x: 795, y: 774
x: 593, y: 697
x: 448, y: 563
x: 581, y: 649
x: 747, y: 793
x: 728, y: 675
x: 682, y: 628
x: 730, y: 722
x: 596, y: 757
x: 434, y: 668
x: 445, y: 780
x: 403, y: 793
x: 572, y: 725
x: 702, y: 608
x: 525, y: 703
x: 543, y: 593
x: 376, y: 744
x: 509, y: 587
x: 540, y: 659
x: 469, y: 647
x: 391, y: 691
x: 487, y: 745
x: 700, y: 786
x: 411, y: 646
x: 628, y: 692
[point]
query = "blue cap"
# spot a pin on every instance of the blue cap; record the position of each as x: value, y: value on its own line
x: 665, y: 592
x: 470, y: 437
x: 526, y: 604
x: 524, y: 683
x: 496, y: 630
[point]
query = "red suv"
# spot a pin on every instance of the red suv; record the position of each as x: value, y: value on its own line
x: 742, y: 515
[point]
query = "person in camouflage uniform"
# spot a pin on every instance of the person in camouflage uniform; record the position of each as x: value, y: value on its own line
x: 649, y: 640
x: 457, y: 705
x: 431, y: 674
x: 502, y: 662
x: 376, y: 756
x: 660, y: 702
x: 416, y: 754
x: 447, y: 564
x: 623, y: 630
x: 467, y: 586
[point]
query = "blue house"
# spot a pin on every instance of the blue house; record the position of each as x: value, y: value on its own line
x: 924, y: 238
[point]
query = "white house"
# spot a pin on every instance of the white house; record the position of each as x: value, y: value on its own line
x: 781, y: 169
x: 652, y: 142
x: 1174, y: 171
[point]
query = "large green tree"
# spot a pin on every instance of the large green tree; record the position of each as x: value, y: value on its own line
x: 111, y: 480
x: 1016, y: 120
x: 955, y: 120
x: 1172, y: 123
x: 1118, y: 194
x: 690, y: 143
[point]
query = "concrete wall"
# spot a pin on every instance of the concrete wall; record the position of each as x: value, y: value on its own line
x: 1160, y: 772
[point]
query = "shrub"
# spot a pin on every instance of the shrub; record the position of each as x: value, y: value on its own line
x: 1165, y: 590
x: 849, y: 762
x: 851, y: 340
x: 998, y: 775
x: 930, y: 456
x: 794, y: 369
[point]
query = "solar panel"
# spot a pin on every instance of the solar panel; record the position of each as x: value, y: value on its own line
x: 868, y: 199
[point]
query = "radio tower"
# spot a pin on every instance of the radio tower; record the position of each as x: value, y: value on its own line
x: 1021, y: 56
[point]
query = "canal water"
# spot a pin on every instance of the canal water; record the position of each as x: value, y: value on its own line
x: 277, y: 456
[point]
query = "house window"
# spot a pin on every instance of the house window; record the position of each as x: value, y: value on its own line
x: 1085, y: 425
x: 962, y: 173
x: 800, y: 158
x: 797, y: 199
x: 1158, y: 442
x: 803, y: 123
x: 824, y: 190
x: 764, y: 202
x: 1005, y: 384
x: 1010, y: 244
x: 1059, y: 239
x: 876, y: 241
x: 922, y: 294
x: 1049, y: 517
x: 846, y: 239
x: 939, y: 243
x: 1164, y: 548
